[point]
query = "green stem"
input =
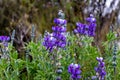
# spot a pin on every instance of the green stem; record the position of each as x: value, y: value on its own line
x: 28, y: 76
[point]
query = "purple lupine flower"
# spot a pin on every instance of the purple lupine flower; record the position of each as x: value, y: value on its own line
x: 60, y: 21
x: 100, y: 69
x: 74, y: 70
x: 91, y: 19
x: 59, y: 29
x: 87, y: 29
x: 80, y: 28
x: 92, y: 25
x: 49, y: 42
x: 4, y: 38
x: 60, y: 36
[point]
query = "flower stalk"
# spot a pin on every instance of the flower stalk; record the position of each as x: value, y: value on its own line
x: 114, y: 59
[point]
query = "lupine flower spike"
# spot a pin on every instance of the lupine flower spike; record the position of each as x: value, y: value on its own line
x: 86, y: 29
x: 59, y: 33
x: 39, y: 38
x: 12, y: 37
x: 4, y: 40
x: 74, y: 70
x: 100, y: 69
x: 114, y: 57
x: 33, y: 33
x: 57, y: 39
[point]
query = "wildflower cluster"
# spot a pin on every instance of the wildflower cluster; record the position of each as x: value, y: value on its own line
x: 31, y: 58
x: 74, y: 70
x: 100, y: 70
x: 87, y: 29
x: 57, y: 38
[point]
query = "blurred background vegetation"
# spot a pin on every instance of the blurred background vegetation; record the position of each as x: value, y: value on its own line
x: 21, y: 14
